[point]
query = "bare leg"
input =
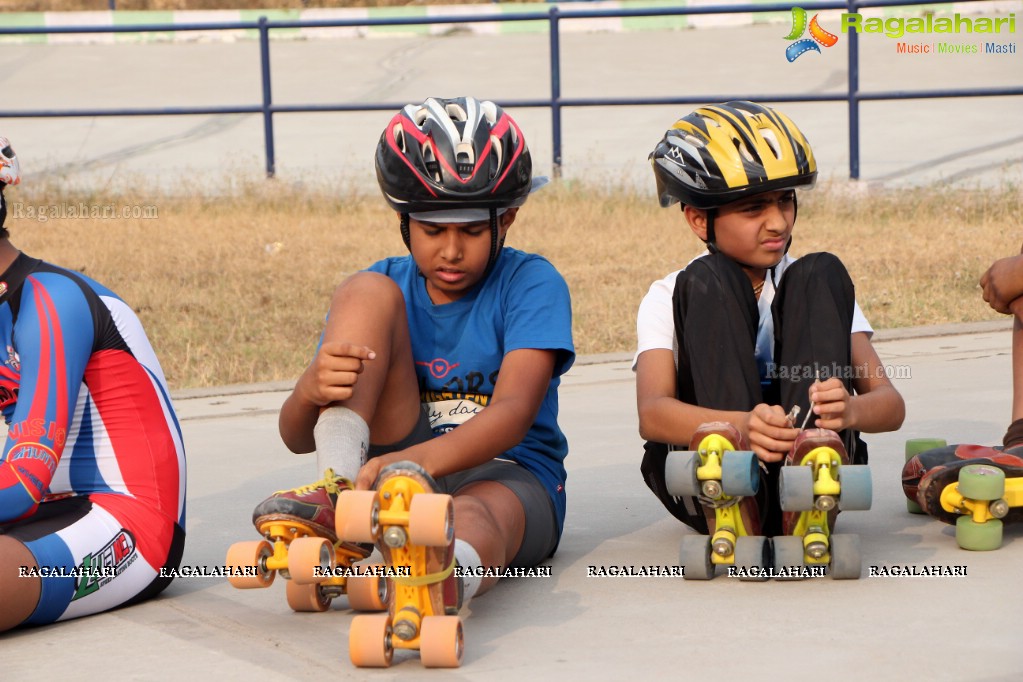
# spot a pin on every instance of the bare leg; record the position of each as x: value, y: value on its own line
x: 490, y: 517
x: 369, y: 309
x: 18, y: 595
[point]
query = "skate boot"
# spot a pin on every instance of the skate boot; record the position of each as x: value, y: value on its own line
x: 414, y: 530
x: 976, y: 488
x: 721, y: 472
x: 816, y: 482
x: 301, y: 544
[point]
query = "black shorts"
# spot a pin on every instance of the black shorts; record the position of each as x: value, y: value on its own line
x: 540, y: 539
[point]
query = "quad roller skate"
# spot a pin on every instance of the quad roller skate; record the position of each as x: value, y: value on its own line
x: 977, y: 488
x: 724, y: 480
x: 300, y: 543
x: 815, y: 483
x: 414, y: 529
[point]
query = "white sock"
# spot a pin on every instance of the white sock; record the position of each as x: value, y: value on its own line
x: 342, y: 440
x: 467, y: 558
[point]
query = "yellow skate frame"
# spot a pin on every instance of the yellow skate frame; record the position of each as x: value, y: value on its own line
x: 952, y: 501
x: 812, y: 525
x: 728, y: 523
x: 412, y: 601
x: 282, y: 533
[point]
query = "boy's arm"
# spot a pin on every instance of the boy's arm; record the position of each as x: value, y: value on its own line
x: 666, y: 419
x: 1002, y: 283
x: 328, y: 379
x: 876, y: 407
x: 522, y: 383
x: 55, y: 338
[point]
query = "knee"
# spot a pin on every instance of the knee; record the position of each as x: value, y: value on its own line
x: 373, y: 288
x: 817, y: 266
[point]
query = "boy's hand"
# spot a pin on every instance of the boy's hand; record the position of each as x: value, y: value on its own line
x: 770, y: 433
x: 1003, y: 283
x: 369, y: 472
x: 832, y: 404
x: 332, y: 375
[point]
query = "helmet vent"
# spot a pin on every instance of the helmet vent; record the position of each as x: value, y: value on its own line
x: 430, y: 161
x: 489, y: 110
x: 399, y: 137
x: 456, y: 112
x: 465, y: 159
x: 743, y: 150
x: 495, y: 144
x: 772, y: 141
x: 7, y: 152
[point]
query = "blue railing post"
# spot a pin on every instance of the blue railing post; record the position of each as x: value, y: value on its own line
x: 854, y: 100
x: 268, y: 116
x: 555, y: 93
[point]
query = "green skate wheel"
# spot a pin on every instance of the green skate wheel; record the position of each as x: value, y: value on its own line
x: 846, y: 563
x: 914, y: 446
x: 752, y: 556
x: 856, y: 491
x: 680, y: 473
x: 981, y: 482
x: 788, y: 556
x: 979, y: 537
x: 694, y: 554
x: 740, y: 474
x: 795, y: 488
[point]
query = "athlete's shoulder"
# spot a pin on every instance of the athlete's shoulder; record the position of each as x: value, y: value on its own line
x: 518, y: 263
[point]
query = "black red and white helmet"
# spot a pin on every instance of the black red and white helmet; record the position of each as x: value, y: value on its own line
x: 10, y: 174
x: 10, y: 169
x: 455, y: 153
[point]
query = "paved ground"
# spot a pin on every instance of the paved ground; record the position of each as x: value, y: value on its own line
x: 578, y: 627
x: 964, y: 141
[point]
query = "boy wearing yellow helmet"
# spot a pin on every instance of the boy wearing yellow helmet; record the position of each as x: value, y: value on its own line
x: 734, y: 342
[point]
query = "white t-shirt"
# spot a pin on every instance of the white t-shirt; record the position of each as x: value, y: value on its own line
x: 655, y: 323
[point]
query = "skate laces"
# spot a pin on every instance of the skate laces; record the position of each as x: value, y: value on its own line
x: 330, y: 482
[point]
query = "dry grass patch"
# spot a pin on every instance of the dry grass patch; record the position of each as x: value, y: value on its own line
x: 233, y: 289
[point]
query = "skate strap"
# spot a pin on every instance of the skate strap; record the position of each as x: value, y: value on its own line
x: 428, y: 579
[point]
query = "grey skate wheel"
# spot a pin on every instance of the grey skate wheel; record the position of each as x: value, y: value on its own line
x: 795, y: 488
x: 788, y: 556
x: 752, y: 557
x: 845, y: 557
x: 680, y: 473
x: 694, y: 554
x: 740, y: 475
x: 856, y: 493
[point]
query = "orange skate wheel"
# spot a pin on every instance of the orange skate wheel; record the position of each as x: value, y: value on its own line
x: 440, y: 642
x: 356, y: 517
x: 368, y: 592
x: 310, y: 560
x: 247, y: 561
x: 430, y: 520
x: 306, y: 597
x: 369, y: 641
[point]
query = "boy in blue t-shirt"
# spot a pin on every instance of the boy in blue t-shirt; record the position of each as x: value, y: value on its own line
x: 450, y: 357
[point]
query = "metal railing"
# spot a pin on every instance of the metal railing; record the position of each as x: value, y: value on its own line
x: 556, y: 102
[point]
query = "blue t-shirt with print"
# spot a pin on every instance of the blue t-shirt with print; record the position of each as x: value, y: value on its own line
x: 458, y: 348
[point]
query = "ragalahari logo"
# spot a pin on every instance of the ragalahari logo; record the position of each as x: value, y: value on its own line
x: 817, y: 35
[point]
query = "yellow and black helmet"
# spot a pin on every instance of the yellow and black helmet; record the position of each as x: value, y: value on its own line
x: 721, y: 153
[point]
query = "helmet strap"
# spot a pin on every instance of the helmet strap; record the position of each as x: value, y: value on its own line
x: 496, y: 241
x: 405, y: 231
x: 710, y: 241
